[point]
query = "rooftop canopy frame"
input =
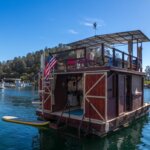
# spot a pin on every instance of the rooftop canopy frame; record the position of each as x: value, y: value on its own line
x: 136, y: 36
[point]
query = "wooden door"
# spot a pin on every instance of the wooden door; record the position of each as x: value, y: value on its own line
x: 121, y: 94
x: 95, y: 95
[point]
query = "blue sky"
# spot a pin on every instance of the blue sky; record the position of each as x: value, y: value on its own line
x: 30, y: 25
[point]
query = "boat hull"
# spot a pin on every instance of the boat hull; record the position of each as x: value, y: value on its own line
x: 98, y: 127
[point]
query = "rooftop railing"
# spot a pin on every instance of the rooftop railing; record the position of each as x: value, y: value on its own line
x: 104, y: 56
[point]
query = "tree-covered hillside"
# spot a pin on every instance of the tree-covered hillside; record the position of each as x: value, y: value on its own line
x: 21, y: 67
x: 26, y: 67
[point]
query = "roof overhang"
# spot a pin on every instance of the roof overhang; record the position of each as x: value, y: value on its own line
x: 112, y: 39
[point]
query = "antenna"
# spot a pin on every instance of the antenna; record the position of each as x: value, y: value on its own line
x: 95, y: 26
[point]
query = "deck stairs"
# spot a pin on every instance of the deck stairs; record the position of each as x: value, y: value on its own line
x: 63, y: 126
x: 58, y: 124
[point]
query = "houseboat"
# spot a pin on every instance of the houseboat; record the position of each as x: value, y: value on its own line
x: 96, y: 85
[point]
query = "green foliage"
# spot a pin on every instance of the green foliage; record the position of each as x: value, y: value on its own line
x: 26, y: 67
x: 147, y: 73
x: 146, y: 82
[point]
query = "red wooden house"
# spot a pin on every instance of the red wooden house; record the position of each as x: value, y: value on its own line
x: 95, y: 87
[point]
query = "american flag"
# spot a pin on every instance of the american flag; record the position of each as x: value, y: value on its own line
x: 50, y: 63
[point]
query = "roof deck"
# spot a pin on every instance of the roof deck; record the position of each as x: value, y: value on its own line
x: 100, y: 51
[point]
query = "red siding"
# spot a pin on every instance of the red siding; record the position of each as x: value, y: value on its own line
x: 47, y: 98
x: 99, y: 104
x: 98, y: 90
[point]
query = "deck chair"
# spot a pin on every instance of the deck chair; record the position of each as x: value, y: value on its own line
x: 71, y: 63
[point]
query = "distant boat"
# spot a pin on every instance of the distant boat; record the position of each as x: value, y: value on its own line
x: 147, y: 85
x: 9, y: 85
x: 2, y: 85
x: 15, y: 83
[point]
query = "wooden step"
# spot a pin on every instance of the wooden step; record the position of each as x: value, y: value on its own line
x: 56, y: 127
x: 53, y: 126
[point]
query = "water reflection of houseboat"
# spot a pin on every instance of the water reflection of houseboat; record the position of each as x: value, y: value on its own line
x: 128, y: 138
x: 95, y: 87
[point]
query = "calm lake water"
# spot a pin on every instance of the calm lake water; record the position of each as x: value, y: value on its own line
x: 17, y: 102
